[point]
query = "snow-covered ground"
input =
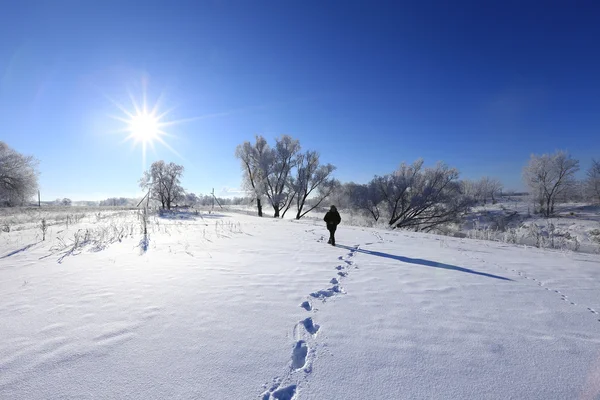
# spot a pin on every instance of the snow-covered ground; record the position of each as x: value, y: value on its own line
x: 230, y: 306
x: 574, y: 226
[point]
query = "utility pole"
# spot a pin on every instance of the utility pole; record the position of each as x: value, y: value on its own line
x: 39, y: 200
x: 144, y: 198
x: 215, y: 198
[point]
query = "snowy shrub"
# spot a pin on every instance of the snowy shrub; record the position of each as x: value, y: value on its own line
x: 594, y: 235
x: 511, y: 236
x: 43, y: 228
x: 143, y: 218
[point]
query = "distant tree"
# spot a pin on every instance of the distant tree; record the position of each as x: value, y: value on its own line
x: 592, y: 183
x: 66, y: 202
x: 191, y: 199
x: 115, y: 202
x: 18, y: 176
x: 482, y: 189
x: 549, y: 177
x: 163, y: 181
x: 311, y: 178
x: 472, y: 189
x: 255, y: 160
x: 492, y: 188
x: 420, y: 198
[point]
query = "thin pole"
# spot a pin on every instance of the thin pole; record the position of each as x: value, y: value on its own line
x: 143, y: 199
x: 215, y: 198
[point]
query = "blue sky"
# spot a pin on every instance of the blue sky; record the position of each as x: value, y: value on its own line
x: 480, y: 85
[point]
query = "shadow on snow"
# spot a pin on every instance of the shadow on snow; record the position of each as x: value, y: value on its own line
x: 419, y: 261
x: 12, y: 253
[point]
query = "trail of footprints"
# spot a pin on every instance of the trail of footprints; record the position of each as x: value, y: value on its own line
x: 563, y: 296
x: 303, y: 353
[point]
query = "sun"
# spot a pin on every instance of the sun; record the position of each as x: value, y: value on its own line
x: 144, y: 127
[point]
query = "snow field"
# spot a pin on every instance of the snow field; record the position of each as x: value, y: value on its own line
x: 228, y: 306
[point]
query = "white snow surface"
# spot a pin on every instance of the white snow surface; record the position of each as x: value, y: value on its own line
x: 230, y: 306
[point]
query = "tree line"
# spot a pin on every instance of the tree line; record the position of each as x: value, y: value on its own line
x: 281, y: 176
x: 413, y: 196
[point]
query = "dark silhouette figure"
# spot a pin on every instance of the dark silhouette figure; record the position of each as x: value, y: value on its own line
x: 332, y: 219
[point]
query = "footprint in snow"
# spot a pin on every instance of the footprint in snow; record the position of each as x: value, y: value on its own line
x: 339, y: 267
x: 306, y: 305
x: 334, y: 281
x: 325, y: 293
x: 310, y: 326
x: 299, y: 354
x: 342, y: 274
x: 285, y: 393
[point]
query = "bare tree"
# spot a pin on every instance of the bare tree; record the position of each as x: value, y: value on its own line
x: 483, y: 189
x: 548, y: 177
x: 163, y: 183
x: 18, y: 176
x: 311, y: 177
x: 365, y: 197
x: 422, y: 199
x: 255, y: 160
x: 592, y: 182
x: 276, y: 170
x: 492, y: 188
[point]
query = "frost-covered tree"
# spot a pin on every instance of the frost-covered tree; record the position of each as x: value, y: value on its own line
x: 18, y: 176
x: 491, y: 188
x: 163, y: 181
x: 255, y: 159
x: 66, y: 202
x: 191, y: 199
x: 420, y: 198
x: 471, y: 189
x: 312, y: 178
x: 117, y: 202
x: 482, y: 189
x: 364, y: 197
x: 549, y: 177
x: 592, y: 182
x: 276, y: 173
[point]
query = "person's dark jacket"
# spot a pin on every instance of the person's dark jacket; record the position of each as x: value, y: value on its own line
x: 332, y: 219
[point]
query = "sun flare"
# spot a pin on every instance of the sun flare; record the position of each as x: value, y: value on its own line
x: 146, y: 125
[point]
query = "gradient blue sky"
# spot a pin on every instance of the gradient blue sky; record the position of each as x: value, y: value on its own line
x: 480, y: 85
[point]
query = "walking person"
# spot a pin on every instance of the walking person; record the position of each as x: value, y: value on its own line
x: 332, y: 219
